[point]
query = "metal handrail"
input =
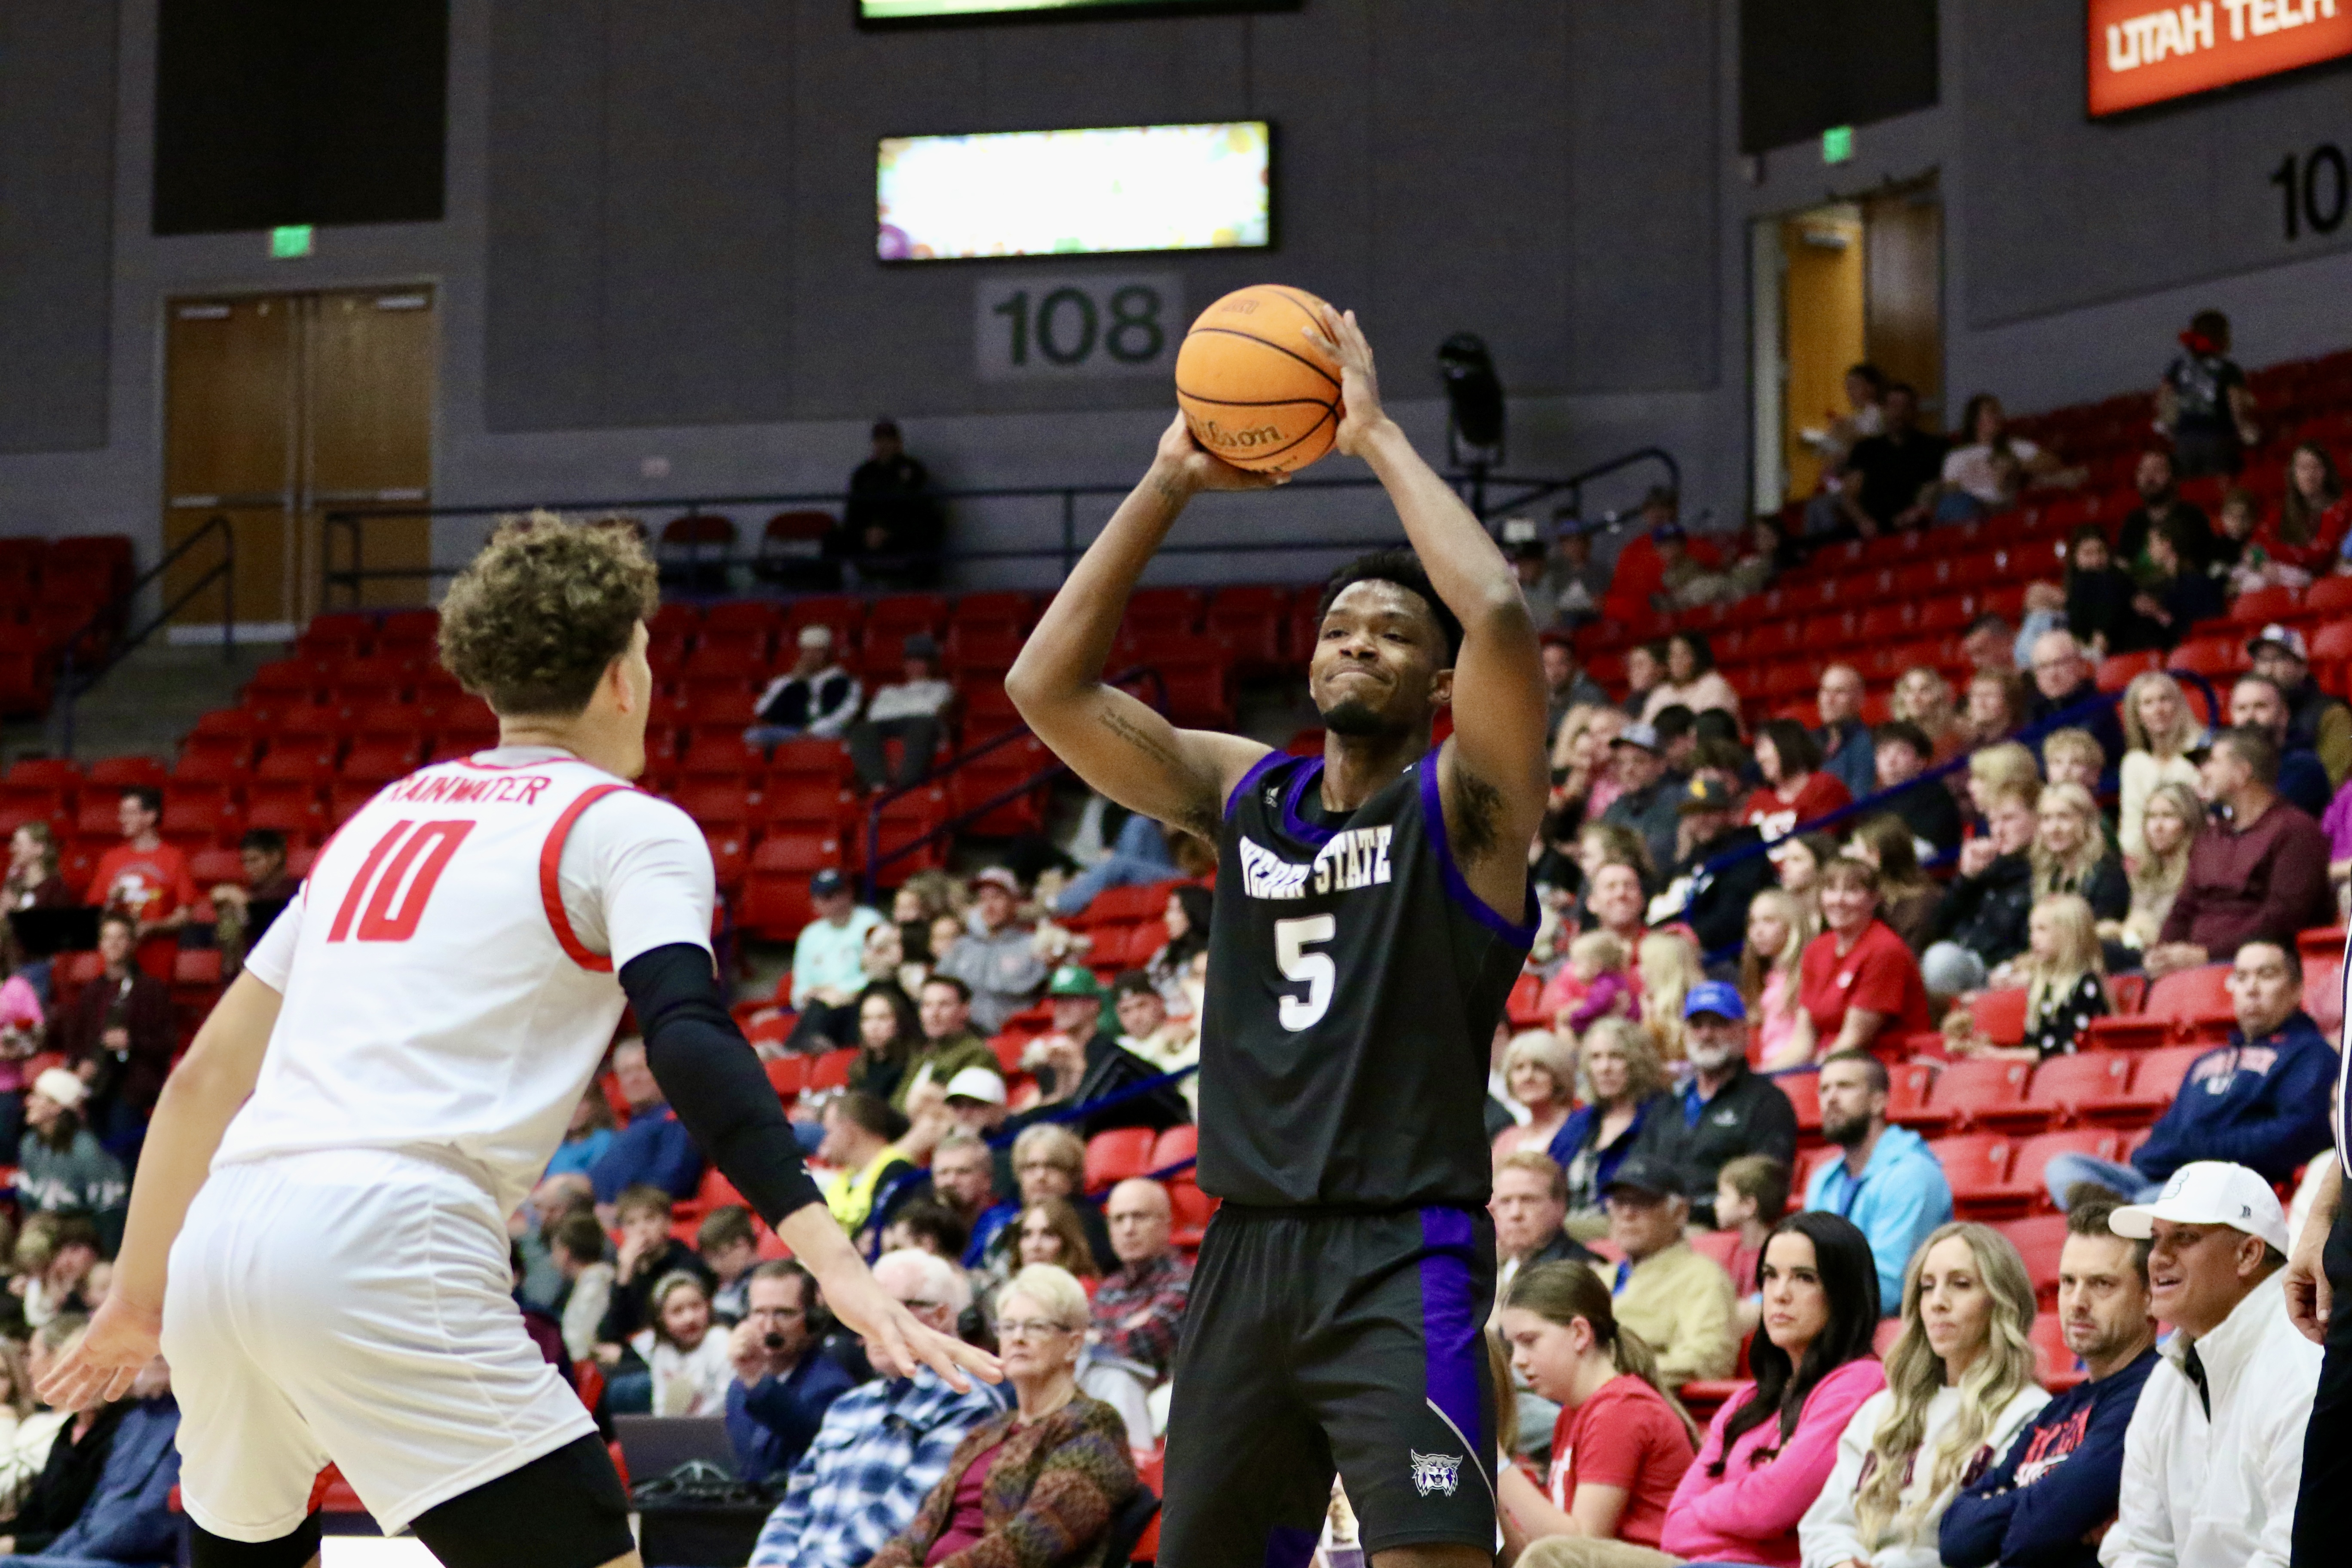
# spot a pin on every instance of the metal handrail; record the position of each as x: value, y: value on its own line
x: 1521, y: 491
x: 69, y: 689
x: 874, y: 859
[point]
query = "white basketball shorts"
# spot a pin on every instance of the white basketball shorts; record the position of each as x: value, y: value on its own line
x: 354, y: 1306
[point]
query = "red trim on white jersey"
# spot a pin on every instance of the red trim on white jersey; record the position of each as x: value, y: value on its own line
x: 550, y: 889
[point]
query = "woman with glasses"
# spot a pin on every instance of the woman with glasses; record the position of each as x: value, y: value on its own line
x: 1043, y: 1481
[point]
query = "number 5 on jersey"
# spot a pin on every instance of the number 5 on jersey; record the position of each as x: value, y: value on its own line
x: 1291, y: 938
x: 391, y: 912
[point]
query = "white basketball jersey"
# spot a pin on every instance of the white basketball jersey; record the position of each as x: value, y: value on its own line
x: 447, y: 968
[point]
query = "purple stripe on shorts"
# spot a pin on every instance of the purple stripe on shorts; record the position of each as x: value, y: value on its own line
x: 1289, y: 1548
x: 1456, y: 1358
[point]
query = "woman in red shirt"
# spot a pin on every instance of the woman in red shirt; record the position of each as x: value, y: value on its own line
x: 2313, y: 514
x: 1621, y: 1443
x: 1794, y: 790
x: 1857, y: 981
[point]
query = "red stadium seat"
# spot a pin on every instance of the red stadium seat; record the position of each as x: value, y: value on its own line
x: 1977, y: 1166
x: 1907, y: 1100
x: 2000, y: 1016
x: 1178, y: 1144
x: 810, y: 758
x: 2039, y: 1240
x: 830, y: 1070
x: 2055, y: 1366
x: 1803, y: 1089
x: 2076, y: 1089
x: 1113, y: 1156
x: 2025, y: 1188
x: 2189, y: 994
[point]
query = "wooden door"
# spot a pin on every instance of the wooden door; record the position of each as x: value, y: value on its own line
x: 1822, y: 305
x: 229, y: 430
x: 369, y: 434
x: 1903, y: 242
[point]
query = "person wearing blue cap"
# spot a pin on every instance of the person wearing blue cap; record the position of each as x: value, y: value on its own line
x: 1727, y: 1111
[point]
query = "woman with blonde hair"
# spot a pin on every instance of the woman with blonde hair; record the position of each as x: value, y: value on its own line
x: 1924, y: 697
x: 1624, y: 1087
x: 2170, y: 823
x: 1580, y: 757
x: 1778, y: 927
x: 1959, y: 1384
x: 2160, y: 733
x: 2070, y: 852
x: 1668, y: 965
x: 1539, y: 1071
x: 1995, y: 769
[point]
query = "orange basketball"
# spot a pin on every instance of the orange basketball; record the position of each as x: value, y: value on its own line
x: 1254, y: 390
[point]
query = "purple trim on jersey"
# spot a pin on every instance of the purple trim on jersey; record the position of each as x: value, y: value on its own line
x: 1457, y: 1356
x: 1290, y: 1548
x: 1296, y: 825
x: 1521, y: 935
x: 2342, y: 1071
x: 1259, y: 769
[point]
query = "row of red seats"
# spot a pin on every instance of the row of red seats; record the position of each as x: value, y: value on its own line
x: 50, y: 591
x: 1995, y: 1175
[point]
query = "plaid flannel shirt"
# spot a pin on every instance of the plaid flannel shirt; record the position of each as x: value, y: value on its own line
x: 1163, y: 1285
x: 883, y: 1447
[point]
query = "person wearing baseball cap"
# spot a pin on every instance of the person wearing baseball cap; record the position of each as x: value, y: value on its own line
x: 1727, y: 1111
x: 814, y: 696
x: 913, y: 711
x: 2213, y: 1457
x: 2318, y: 721
x: 1679, y: 1302
x: 1651, y: 803
x: 993, y: 956
x: 829, y: 965
x: 1706, y: 888
x: 1082, y: 1062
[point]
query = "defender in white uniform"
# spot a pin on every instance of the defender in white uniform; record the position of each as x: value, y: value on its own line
x: 414, y: 1032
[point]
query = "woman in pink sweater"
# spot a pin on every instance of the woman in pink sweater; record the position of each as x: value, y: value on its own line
x: 1772, y: 1445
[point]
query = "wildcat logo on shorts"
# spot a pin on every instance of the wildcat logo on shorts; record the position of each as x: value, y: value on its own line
x: 1435, y: 1473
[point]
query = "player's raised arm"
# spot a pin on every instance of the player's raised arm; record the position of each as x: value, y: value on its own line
x: 1493, y: 772
x: 1121, y: 746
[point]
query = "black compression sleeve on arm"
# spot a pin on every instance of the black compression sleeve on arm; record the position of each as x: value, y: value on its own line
x: 713, y: 1080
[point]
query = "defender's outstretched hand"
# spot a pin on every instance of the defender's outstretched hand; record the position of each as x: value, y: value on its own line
x: 101, y: 1366
x: 895, y: 1338
x: 1194, y: 467
x: 1359, y: 389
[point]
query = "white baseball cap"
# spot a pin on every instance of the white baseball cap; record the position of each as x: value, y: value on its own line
x: 66, y: 1089
x: 2208, y: 1192
x: 977, y: 1083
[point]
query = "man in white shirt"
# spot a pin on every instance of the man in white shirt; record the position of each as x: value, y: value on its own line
x: 829, y: 965
x: 912, y: 711
x: 2214, y: 1453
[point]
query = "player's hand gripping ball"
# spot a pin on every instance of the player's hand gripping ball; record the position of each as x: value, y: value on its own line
x: 1256, y: 390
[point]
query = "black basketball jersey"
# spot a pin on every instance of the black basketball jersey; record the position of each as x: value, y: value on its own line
x: 1354, y: 984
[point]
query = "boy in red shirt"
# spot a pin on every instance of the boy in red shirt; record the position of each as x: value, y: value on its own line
x: 147, y: 879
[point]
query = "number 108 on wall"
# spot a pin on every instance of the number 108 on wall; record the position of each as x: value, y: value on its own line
x: 1027, y: 327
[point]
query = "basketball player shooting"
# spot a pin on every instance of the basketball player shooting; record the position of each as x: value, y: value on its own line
x: 1371, y: 913
x: 317, y: 1235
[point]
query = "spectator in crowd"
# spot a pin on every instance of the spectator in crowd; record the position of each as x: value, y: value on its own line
x: 1539, y: 1070
x: 1625, y: 1088
x: 2100, y: 611
x: 1049, y: 1231
x: 816, y: 697
x: 949, y: 1044
x: 1081, y: 1062
x: 2160, y: 733
x: 648, y: 1255
x: 576, y: 1243
x: 32, y: 882
x: 1844, y: 739
x: 1889, y: 1182
x: 1530, y: 1209
x: 655, y: 1148
x: 784, y: 1382
x: 1567, y: 685
x: 1778, y: 928
x: 2257, y: 702
x: 1995, y: 769
x: 243, y: 910
x: 2240, y: 560
x: 926, y: 1226
x: 889, y: 1033
x: 2260, y: 874
x: 1668, y: 965
x: 1043, y: 1480
x: 890, y: 525
x: 2261, y: 1102
x: 1186, y: 920
x: 1984, y: 920
x: 1137, y: 853
x: 2064, y: 679
x: 1623, y: 1441
x: 25, y: 1451
x: 1989, y: 644
x: 1650, y: 796
x: 2072, y: 755
x: 61, y: 1168
x: 1679, y: 1302
x: 687, y: 1357
x: 2213, y: 1454
x: 1727, y: 1110
x: 2170, y: 823
x: 1770, y: 1447
x: 1996, y: 708
x: 1639, y: 576
x: 1584, y: 774
x: 126, y: 1482
x: 869, y: 1174
x: 1923, y: 697
x: 1907, y: 898
x: 1960, y: 1385
x: 1048, y: 1162
x: 2069, y: 853
x: 963, y: 1178
x: 2160, y: 505
x: 1993, y: 467
x: 994, y: 956
x: 1140, y: 1307
x: 142, y: 877
x: 1751, y: 1193
x: 729, y: 1247
x: 1692, y: 680
x: 829, y: 965
x: 2317, y: 721
x: 1890, y: 479
x: 120, y: 1035
x: 1900, y: 753
x: 882, y: 1446
x: 2203, y: 402
x: 2177, y: 593
x: 1856, y: 980
x: 2065, y: 985
x: 589, y: 1133
x: 2313, y: 515
x: 1796, y: 789
x: 1147, y: 1031
x: 1645, y: 666
x: 1701, y: 893
x: 2051, y: 1496
x: 1528, y: 558
x: 1576, y: 584
x: 913, y: 711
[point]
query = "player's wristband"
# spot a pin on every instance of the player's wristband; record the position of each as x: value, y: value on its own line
x: 713, y: 1080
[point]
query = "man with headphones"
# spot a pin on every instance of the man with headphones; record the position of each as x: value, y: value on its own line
x: 783, y: 1378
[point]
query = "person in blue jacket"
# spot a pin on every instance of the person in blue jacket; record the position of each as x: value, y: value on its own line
x: 1890, y: 1184
x: 655, y: 1148
x: 2259, y: 1101
x: 2044, y: 1504
x: 128, y: 1520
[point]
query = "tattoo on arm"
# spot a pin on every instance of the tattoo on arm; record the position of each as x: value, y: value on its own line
x: 1478, y: 813
x: 1194, y: 818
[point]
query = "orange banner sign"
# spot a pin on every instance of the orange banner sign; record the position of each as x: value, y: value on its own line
x: 2142, y: 53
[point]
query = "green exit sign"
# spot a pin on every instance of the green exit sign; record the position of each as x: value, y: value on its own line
x: 291, y: 242
x: 1837, y: 145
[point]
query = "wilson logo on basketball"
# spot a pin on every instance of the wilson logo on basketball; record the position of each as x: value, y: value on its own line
x: 1216, y: 435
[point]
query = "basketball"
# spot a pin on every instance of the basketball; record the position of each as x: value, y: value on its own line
x: 1255, y: 390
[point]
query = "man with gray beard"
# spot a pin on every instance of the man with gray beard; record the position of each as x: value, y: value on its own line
x: 1727, y: 1109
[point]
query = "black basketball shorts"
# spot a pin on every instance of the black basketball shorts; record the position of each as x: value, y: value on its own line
x: 1318, y: 1340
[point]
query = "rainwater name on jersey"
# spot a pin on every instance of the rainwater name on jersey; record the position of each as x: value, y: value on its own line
x: 458, y: 789
x: 1356, y: 857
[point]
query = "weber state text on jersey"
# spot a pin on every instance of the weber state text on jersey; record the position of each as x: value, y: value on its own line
x: 1354, y: 984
